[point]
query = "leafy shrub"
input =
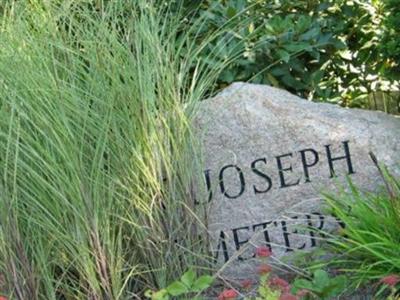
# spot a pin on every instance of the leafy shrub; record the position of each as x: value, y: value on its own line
x: 268, y: 287
x: 321, y: 50
x: 390, y: 43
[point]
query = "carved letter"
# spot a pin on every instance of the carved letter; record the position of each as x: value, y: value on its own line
x: 286, y: 234
x: 265, y: 231
x: 222, y: 243
x: 222, y: 185
x: 238, y: 243
x: 306, y: 164
x: 281, y: 169
x: 346, y: 156
x: 208, y: 183
x: 261, y: 174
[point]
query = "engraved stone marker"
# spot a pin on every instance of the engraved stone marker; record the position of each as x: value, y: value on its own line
x: 268, y: 155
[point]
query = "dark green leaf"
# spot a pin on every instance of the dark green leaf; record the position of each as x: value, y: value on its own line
x: 298, y: 47
x: 311, y: 34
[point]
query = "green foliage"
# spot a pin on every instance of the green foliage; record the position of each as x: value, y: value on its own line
x: 321, y: 50
x: 97, y: 158
x: 189, y: 285
x: 368, y: 247
x: 390, y: 43
x: 321, y: 286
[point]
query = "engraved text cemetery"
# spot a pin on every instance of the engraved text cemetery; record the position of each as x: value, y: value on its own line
x: 310, y: 158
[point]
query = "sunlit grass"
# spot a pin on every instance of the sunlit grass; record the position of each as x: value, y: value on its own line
x: 97, y: 157
x: 368, y: 247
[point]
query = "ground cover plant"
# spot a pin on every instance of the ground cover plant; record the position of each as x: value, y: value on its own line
x: 267, y: 286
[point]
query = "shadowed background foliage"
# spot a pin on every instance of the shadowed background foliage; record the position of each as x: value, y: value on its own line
x: 340, y: 51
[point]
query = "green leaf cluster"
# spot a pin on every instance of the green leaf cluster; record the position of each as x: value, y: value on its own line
x: 322, y: 286
x: 189, y: 286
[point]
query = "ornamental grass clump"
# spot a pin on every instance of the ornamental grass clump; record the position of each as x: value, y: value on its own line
x: 97, y: 159
x: 368, y: 247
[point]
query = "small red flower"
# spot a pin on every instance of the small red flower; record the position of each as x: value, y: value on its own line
x: 3, y: 298
x: 288, y: 296
x: 228, y: 294
x: 246, y: 284
x: 390, y: 280
x: 263, y: 251
x: 263, y: 269
x: 280, y: 284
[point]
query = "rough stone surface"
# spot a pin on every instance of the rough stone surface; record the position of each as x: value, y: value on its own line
x: 259, y: 143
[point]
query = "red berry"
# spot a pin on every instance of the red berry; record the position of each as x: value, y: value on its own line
x: 390, y: 280
x: 263, y: 251
x: 228, y: 294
